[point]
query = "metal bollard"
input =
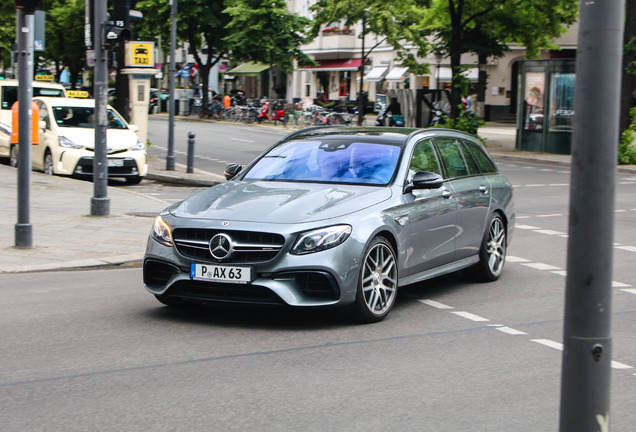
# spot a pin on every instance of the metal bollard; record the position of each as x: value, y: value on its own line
x: 190, y: 168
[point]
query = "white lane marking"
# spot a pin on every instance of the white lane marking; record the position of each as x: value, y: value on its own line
x: 514, y: 259
x: 470, y: 316
x: 627, y: 248
x: 550, y: 215
x: 527, y: 227
x: 549, y: 343
x: 242, y: 140
x: 536, y: 185
x: 618, y: 365
x: 435, y: 304
x: 541, y: 266
x: 619, y: 284
x: 549, y: 232
x: 510, y: 330
x: 560, y: 272
x: 629, y: 290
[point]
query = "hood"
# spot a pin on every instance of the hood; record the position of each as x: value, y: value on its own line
x: 272, y: 202
x: 116, y: 139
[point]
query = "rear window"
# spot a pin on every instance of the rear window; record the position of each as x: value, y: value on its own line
x: 485, y: 163
x: 10, y: 94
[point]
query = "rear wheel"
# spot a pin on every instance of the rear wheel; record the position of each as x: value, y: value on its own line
x: 492, y: 254
x: 377, y: 283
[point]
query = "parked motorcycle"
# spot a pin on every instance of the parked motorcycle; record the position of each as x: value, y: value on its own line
x: 278, y: 112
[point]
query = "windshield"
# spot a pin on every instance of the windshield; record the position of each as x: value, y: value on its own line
x: 82, y: 117
x: 329, y: 161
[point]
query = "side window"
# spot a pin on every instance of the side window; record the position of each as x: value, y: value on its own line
x: 9, y: 96
x: 423, y: 159
x: 472, y: 165
x: 44, y: 114
x: 485, y: 163
x: 452, y: 157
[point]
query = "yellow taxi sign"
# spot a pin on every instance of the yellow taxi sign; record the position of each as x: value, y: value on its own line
x: 44, y: 77
x: 140, y: 54
x: 77, y: 93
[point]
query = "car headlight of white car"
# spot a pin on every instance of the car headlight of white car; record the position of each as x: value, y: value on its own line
x: 67, y: 143
x: 321, y: 239
x: 138, y: 146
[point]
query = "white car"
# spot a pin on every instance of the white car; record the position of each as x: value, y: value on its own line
x: 67, y: 141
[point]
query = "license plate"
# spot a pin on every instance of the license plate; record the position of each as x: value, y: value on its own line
x: 115, y: 162
x: 216, y: 273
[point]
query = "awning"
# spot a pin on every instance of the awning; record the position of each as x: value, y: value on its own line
x: 397, y: 74
x: 376, y: 73
x: 334, y: 65
x: 445, y: 73
x: 248, y: 69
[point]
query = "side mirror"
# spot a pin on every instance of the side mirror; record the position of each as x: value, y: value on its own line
x: 232, y: 170
x: 42, y: 124
x: 133, y: 128
x: 427, y: 180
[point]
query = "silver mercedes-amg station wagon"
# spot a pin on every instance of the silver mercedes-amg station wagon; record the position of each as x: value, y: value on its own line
x: 336, y: 216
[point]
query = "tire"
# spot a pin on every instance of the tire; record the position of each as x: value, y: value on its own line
x: 48, y: 163
x: 377, y: 282
x: 492, y: 253
x: 133, y: 180
x: 13, y: 156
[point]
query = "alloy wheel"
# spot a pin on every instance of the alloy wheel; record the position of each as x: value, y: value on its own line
x: 379, y: 279
x: 496, y: 247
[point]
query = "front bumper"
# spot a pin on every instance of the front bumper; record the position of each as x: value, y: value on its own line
x: 326, y: 278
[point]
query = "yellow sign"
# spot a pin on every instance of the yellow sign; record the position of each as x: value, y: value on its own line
x: 77, y: 93
x: 140, y: 54
x: 44, y: 77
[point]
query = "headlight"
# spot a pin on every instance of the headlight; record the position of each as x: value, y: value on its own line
x: 321, y: 239
x: 65, y: 142
x: 138, y: 146
x: 162, y: 232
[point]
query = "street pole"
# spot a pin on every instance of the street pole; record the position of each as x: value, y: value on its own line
x: 173, y: 70
x: 586, y: 366
x: 100, y: 203
x: 23, y: 228
x: 361, y: 106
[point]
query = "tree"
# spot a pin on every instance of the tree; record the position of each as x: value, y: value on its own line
x: 391, y: 22
x: 201, y: 23
x: 265, y: 31
x: 64, y: 38
x: 7, y: 32
x: 485, y: 27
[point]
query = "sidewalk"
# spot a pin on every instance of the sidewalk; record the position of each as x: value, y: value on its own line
x: 66, y: 236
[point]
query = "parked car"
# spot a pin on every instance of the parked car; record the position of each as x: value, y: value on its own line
x: 336, y: 217
x: 159, y: 100
x: 5, y: 145
x: 67, y: 141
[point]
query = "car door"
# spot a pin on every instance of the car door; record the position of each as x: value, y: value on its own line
x: 471, y: 191
x: 430, y: 214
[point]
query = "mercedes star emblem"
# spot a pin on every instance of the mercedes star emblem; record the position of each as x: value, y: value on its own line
x: 221, y: 246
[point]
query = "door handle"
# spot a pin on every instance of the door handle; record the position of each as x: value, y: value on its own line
x: 446, y: 194
x: 483, y: 189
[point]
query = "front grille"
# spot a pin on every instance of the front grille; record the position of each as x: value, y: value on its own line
x: 85, y: 167
x: 223, y: 292
x: 249, y: 247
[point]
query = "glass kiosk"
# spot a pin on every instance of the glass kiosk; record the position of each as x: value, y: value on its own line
x: 545, y: 110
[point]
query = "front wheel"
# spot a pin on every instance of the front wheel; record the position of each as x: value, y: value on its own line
x: 377, y: 283
x: 13, y: 156
x: 492, y: 253
x: 48, y: 163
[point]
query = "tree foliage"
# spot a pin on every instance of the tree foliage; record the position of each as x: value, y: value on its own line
x: 486, y: 27
x: 7, y: 32
x: 201, y: 23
